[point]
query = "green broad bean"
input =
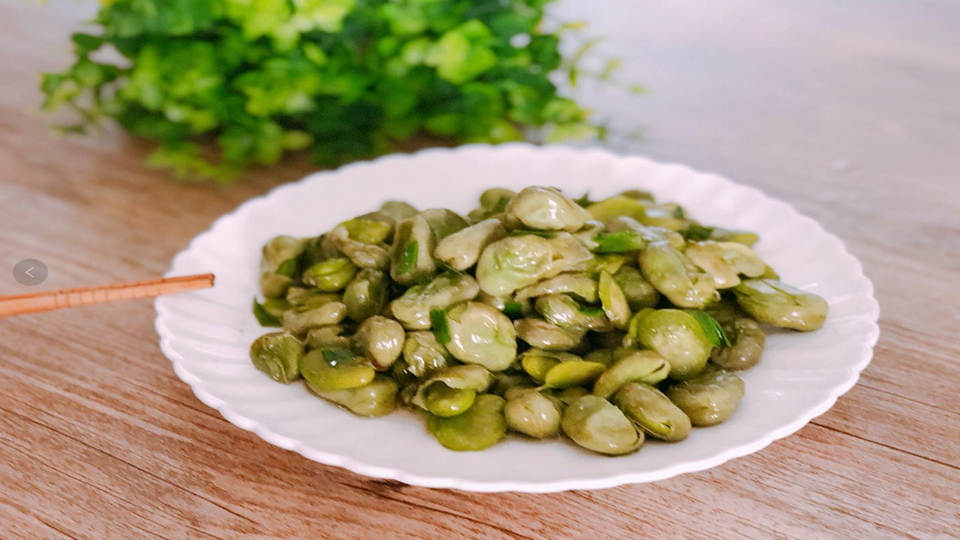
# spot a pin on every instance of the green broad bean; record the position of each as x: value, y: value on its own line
x: 641, y: 366
x: 774, y: 302
x: 650, y: 409
x: 596, y: 424
x: 532, y: 413
x: 676, y: 336
x: 278, y: 355
x: 709, y: 398
x: 378, y: 398
x: 481, y: 426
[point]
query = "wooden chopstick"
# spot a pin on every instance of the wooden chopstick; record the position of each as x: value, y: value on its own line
x: 49, y: 300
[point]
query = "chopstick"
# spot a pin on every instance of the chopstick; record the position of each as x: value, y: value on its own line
x: 49, y: 300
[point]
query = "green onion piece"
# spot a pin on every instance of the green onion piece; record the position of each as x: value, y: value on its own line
x: 264, y: 318
x: 337, y: 355
x: 711, y: 328
x: 619, y: 242
x: 697, y: 233
x: 591, y: 311
x: 500, y: 207
x: 678, y: 213
x: 513, y: 310
x: 287, y: 268
x: 408, y: 260
x: 524, y: 232
x: 438, y: 320
x: 585, y: 200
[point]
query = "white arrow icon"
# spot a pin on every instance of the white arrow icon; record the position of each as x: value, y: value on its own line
x: 28, y: 272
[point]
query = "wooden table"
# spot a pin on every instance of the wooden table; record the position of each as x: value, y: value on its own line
x: 849, y: 111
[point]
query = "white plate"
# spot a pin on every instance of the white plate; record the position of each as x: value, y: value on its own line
x: 207, y: 333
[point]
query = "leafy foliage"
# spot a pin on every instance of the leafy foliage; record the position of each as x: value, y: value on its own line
x: 346, y: 78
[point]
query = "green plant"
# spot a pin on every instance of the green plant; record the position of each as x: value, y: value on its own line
x: 345, y: 78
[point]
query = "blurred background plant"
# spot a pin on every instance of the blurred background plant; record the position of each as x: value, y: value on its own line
x: 223, y: 84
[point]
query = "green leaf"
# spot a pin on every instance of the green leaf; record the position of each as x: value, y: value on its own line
x: 288, y: 268
x: 337, y: 355
x: 346, y: 79
x: 409, y: 258
x: 612, y: 65
x: 462, y: 54
x: 619, y: 242
x: 441, y: 329
x: 711, y: 328
x: 264, y: 318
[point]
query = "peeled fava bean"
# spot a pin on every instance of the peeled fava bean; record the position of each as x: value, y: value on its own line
x: 423, y: 354
x: 676, y: 336
x: 774, y: 302
x: 299, y: 320
x: 278, y: 265
x: 532, y: 413
x: 653, y: 411
x: 596, y: 424
x: 280, y: 250
x: 649, y: 235
x: 568, y: 254
x: 452, y: 391
x: 725, y: 261
x: 606, y: 262
x: 747, y: 340
x: 442, y: 400
x: 566, y: 312
x: 443, y: 222
x: 480, y: 334
x: 675, y: 276
x: 545, y: 335
x: 326, y: 371
x: 278, y: 355
x: 638, y: 291
x: 709, y: 398
x: 481, y: 426
x: 462, y: 249
x: 380, y: 340
x: 361, y: 254
x: 397, y: 210
x: 327, y: 336
x: 493, y: 202
x: 614, y: 302
x: 372, y: 228
x: 641, y: 366
x: 545, y: 209
x: 576, y: 284
x: 379, y: 398
x: 411, y: 258
x: 414, y: 307
x: 537, y: 363
x: 573, y: 373
x: 331, y: 275
x: 512, y: 263
x: 366, y: 295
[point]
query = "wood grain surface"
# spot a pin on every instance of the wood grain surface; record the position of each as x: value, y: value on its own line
x: 848, y: 110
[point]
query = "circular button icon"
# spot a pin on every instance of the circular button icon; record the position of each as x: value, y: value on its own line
x: 30, y: 272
